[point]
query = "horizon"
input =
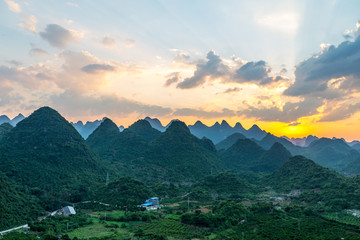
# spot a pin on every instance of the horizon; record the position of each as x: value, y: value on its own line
x: 288, y: 67
x: 188, y: 124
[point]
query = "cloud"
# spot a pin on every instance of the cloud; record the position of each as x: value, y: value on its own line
x: 172, y: 78
x: 290, y: 112
x: 212, y: 68
x: 29, y: 77
x: 15, y: 63
x: 341, y: 112
x: 108, y: 42
x: 182, y: 58
x: 231, y: 90
x: 79, y: 104
x: 13, y: 6
x: 29, y: 23
x: 236, y: 71
x: 129, y: 42
x: 72, y: 4
x: 332, y: 73
x: 58, y: 36
x: 37, y: 52
x: 97, y: 68
x: 204, y: 114
x: 293, y: 124
x: 252, y: 71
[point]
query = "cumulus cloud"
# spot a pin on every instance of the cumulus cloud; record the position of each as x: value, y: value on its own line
x: 28, y: 23
x: 37, y: 52
x: 252, y: 71
x: 172, y: 78
x: 316, y: 75
x: 204, y: 114
x: 13, y: 6
x: 216, y: 68
x: 97, y: 68
x: 58, y: 36
x: 212, y: 68
x: 108, y: 42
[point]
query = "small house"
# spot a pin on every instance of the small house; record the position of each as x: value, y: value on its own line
x: 151, y: 203
x: 65, y: 211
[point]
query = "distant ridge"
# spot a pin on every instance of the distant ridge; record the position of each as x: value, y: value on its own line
x: 14, y: 121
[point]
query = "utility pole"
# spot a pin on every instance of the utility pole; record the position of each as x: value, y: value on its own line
x: 188, y: 204
x: 107, y: 178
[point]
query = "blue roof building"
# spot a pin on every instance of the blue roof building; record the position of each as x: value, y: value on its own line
x: 151, y: 203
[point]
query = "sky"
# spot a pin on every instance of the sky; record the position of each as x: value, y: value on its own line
x: 291, y: 67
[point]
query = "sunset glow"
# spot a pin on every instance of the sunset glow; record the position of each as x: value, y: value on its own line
x: 291, y: 67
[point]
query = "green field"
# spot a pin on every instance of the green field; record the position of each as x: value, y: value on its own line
x: 343, y: 218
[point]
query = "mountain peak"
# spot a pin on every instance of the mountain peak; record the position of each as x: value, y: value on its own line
x: 224, y: 124
x: 217, y: 124
x: 254, y: 128
x: 238, y: 126
x: 199, y: 124
x: 155, y: 123
x: 176, y: 126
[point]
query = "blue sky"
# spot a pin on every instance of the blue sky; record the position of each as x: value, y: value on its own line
x: 226, y: 59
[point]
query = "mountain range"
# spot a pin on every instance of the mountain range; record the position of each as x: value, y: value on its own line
x: 44, y: 161
x: 12, y: 122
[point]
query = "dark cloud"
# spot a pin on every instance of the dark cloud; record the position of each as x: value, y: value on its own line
x: 252, y: 71
x: 97, y: 68
x: 204, y: 114
x: 37, y: 52
x: 314, y: 75
x: 58, y: 36
x: 256, y: 72
x: 290, y: 112
x: 213, y: 68
x: 77, y: 104
x: 231, y: 90
x: 172, y: 78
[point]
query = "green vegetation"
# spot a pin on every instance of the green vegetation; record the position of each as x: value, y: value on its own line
x: 125, y: 193
x: 4, y: 129
x: 239, y: 192
x: 17, y: 207
x: 45, y: 154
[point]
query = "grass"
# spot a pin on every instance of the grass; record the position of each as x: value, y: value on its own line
x: 173, y: 216
x: 94, y: 230
x: 98, y: 229
x: 170, y: 227
x: 114, y: 214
